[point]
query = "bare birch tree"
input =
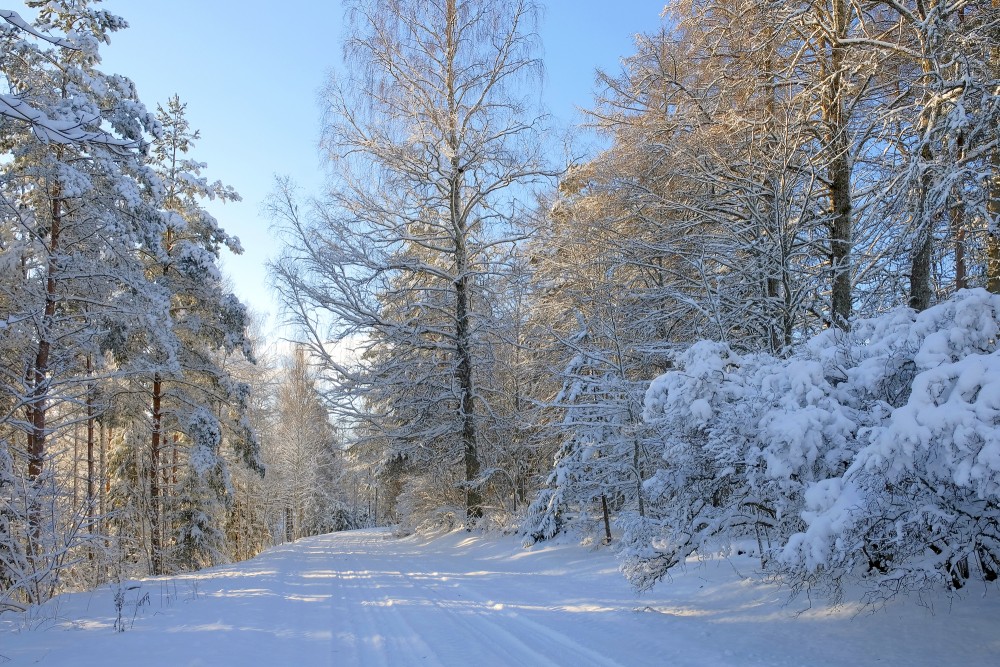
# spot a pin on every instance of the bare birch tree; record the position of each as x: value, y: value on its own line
x: 431, y: 139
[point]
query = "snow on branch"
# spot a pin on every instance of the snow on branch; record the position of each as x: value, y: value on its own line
x: 15, y: 20
x: 46, y: 129
x: 53, y: 131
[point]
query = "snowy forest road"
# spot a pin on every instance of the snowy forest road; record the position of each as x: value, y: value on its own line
x: 356, y: 598
x: 438, y: 607
x: 364, y: 598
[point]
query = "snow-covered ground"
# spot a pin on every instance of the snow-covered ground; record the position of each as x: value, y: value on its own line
x: 365, y: 598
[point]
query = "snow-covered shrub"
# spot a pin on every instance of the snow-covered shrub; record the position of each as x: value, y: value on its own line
x: 544, y: 517
x: 39, y: 541
x: 740, y: 436
x: 920, y: 502
x: 199, y: 502
x: 874, y: 452
x: 684, y: 405
x: 600, y: 457
x: 431, y: 499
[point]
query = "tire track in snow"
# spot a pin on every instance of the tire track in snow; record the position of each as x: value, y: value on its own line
x: 386, y: 628
x: 485, y: 627
x: 421, y: 618
x: 525, y: 641
x: 375, y: 638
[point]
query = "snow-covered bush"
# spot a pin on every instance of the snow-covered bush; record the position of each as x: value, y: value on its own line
x: 874, y: 453
x: 430, y: 499
x: 920, y: 502
x: 600, y: 457
x: 740, y: 438
x: 199, y: 502
x: 543, y: 519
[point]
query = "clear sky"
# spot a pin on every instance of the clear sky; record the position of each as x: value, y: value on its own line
x: 250, y: 72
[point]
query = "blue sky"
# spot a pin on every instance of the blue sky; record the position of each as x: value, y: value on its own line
x: 250, y: 72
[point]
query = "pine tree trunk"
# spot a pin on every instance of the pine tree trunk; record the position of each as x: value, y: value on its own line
x: 38, y: 401
x: 920, y: 263
x: 103, y: 481
x: 993, y: 234
x: 37, y: 409
x: 91, y: 481
x: 174, y: 462
x: 155, y: 537
x: 607, y: 519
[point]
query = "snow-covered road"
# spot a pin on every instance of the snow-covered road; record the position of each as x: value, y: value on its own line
x: 365, y: 598
x: 436, y: 605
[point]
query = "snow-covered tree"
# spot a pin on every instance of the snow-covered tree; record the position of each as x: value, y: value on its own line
x: 207, y: 320
x: 430, y: 136
x: 305, y: 456
x: 947, y: 55
x: 771, y: 173
x: 110, y: 286
x: 74, y: 213
x: 601, y: 348
x: 198, y: 502
x: 14, y: 107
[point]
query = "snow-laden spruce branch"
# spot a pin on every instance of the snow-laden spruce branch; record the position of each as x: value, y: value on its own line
x: 67, y: 132
x: 15, y: 20
x: 48, y: 129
